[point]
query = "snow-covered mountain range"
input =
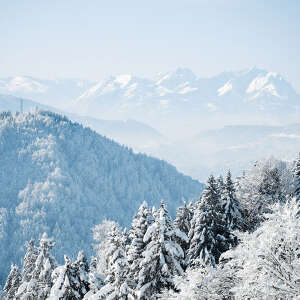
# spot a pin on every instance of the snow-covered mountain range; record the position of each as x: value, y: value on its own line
x: 176, y: 103
x: 162, y: 116
x: 179, y: 102
x: 59, y: 177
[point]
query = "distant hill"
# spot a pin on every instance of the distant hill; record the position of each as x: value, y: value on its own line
x: 56, y: 93
x: 59, y: 177
x: 130, y: 132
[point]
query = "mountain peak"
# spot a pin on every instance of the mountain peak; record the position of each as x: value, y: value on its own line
x: 174, y: 78
x: 123, y: 79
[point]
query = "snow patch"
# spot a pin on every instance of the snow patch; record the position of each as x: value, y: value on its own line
x: 227, y: 87
x: 186, y: 90
x: 123, y: 80
x: 263, y: 84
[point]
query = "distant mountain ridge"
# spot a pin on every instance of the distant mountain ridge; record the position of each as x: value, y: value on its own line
x: 244, y: 96
x: 59, y: 177
x: 249, y: 96
x: 56, y: 93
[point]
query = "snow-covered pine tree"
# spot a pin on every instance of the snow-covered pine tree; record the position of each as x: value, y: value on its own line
x: 296, y: 178
x: 40, y: 283
x: 118, y: 286
x: 230, y: 206
x: 209, y: 236
x: 220, y: 185
x: 79, y: 275
x: 163, y: 257
x: 101, y: 234
x: 95, y: 280
x: 62, y: 283
x: 13, y: 282
x: 29, y: 261
x: 140, y: 223
x: 182, y: 226
x: 44, y: 265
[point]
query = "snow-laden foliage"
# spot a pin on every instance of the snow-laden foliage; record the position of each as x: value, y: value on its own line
x: 231, y: 209
x: 296, y: 178
x: 140, y: 224
x: 95, y: 280
x: 202, y: 284
x: 162, y: 258
x: 29, y: 260
x: 61, y: 178
x: 209, y: 234
x: 101, y: 234
x: 182, y: 226
x: 13, y: 282
x: 267, y: 182
x: 118, y: 285
x: 62, y: 287
x: 40, y: 282
x: 70, y: 281
x: 266, y: 263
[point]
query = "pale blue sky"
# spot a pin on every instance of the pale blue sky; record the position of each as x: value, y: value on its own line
x: 92, y: 39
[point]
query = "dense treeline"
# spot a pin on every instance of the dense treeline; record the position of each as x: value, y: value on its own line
x: 239, y: 241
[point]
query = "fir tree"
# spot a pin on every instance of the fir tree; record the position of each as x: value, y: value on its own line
x: 220, y: 185
x: 79, y: 275
x: 95, y: 280
x: 163, y: 257
x: 117, y: 285
x: 141, y: 221
x: 182, y: 226
x: 62, y: 289
x: 29, y: 261
x: 38, y: 287
x: 230, y: 206
x: 209, y: 236
x: 13, y: 282
x: 296, y: 178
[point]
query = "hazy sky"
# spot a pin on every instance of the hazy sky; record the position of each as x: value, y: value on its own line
x: 92, y: 39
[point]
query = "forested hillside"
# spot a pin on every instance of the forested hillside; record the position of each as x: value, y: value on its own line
x: 240, y: 240
x: 61, y: 178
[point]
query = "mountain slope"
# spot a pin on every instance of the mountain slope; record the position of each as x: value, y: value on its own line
x: 130, y: 132
x: 59, y: 177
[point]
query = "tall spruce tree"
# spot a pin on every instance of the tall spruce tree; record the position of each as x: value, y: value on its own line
x: 13, y: 282
x: 38, y: 287
x: 95, y: 280
x: 118, y: 286
x: 209, y: 236
x: 296, y: 178
x: 29, y: 261
x: 230, y: 205
x: 62, y: 278
x: 141, y: 222
x: 220, y: 185
x: 182, y: 226
x: 163, y: 257
x: 79, y: 272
